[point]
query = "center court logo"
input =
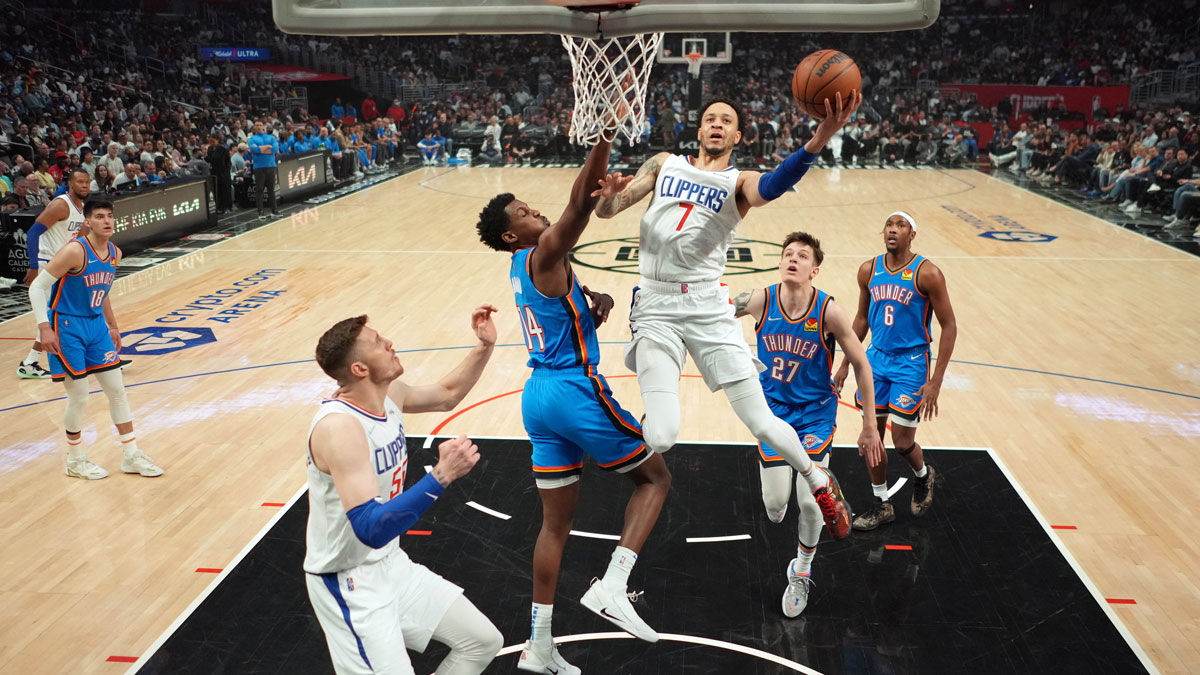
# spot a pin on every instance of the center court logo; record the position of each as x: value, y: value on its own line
x: 155, y: 340
x: 745, y: 256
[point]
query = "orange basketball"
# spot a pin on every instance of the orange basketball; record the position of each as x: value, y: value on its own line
x: 820, y: 76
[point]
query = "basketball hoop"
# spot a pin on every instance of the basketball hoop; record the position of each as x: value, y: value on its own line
x: 694, y: 60
x: 610, y: 78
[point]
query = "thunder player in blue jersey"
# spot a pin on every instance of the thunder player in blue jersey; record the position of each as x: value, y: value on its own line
x: 77, y: 325
x: 797, y: 325
x: 567, y: 406
x: 899, y: 293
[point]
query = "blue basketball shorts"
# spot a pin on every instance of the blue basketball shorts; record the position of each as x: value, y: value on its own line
x: 571, y: 412
x: 85, y: 347
x: 814, y: 422
x: 898, y: 376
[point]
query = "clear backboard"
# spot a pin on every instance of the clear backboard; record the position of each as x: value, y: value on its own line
x: 442, y: 17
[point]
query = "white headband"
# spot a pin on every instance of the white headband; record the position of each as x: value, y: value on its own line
x: 912, y: 223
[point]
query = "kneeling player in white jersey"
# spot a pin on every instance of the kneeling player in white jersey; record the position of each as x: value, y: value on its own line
x: 796, y: 325
x: 681, y: 307
x: 58, y: 223
x: 372, y: 601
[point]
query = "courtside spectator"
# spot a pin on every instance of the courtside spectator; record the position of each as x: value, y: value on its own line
x: 264, y: 147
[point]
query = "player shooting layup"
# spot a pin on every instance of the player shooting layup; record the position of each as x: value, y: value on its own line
x: 681, y: 307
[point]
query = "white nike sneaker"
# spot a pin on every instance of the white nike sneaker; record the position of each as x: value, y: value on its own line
x: 138, y: 462
x: 617, y: 608
x: 85, y: 468
x: 548, y: 662
x: 795, y: 596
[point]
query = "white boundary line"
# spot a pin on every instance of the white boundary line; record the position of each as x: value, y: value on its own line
x: 166, y: 634
x: 595, y: 535
x: 706, y: 540
x: 899, y: 484
x: 1098, y: 218
x: 676, y: 637
x: 1087, y: 582
x: 236, y: 236
x: 490, y: 512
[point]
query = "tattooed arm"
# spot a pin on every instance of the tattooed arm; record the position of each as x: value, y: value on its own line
x: 751, y: 303
x: 642, y: 185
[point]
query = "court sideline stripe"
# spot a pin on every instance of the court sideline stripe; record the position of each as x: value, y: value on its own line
x: 217, y: 245
x: 607, y: 342
x: 1066, y: 553
x: 166, y: 634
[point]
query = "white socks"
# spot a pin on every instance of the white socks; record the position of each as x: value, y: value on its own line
x: 616, y: 579
x: 75, y: 449
x: 33, y: 357
x: 128, y: 442
x: 803, y: 564
x: 880, y: 491
x: 922, y: 473
x: 539, y: 631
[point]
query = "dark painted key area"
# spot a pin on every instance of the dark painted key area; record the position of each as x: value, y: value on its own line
x: 983, y: 588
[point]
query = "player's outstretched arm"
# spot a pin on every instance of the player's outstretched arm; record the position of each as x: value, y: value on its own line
x: 751, y: 303
x: 869, y: 443
x: 557, y: 241
x: 932, y: 283
x: 859, y: 326
x: 55, y: 212
x: 641, y: 185
x: 449, y: 391
x: 68, y: 258
x: 757, y: 189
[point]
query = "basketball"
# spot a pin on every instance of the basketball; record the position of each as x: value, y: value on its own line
x: 820, y: 76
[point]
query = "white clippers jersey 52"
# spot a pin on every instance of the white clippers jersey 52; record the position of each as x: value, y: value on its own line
x: 687, y: 229
x: 332, y: 545
x: 57, y: 235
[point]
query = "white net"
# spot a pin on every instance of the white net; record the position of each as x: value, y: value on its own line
x: 610, y: 77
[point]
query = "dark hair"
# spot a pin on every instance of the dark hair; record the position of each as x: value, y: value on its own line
x: 91, y: 205
x: 493, y: 222
x: 809, y: 241
x: 78, y: 169
x: 736, y: 110
x: 336, y: 346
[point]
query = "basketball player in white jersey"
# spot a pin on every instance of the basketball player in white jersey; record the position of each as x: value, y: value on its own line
x: 681, y: 307
x: 58, y: 223
x: 373, y: 602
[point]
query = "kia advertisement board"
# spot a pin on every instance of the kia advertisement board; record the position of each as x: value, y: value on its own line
x: 303, y: 174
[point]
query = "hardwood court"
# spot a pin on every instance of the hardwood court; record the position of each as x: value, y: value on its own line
x: 1075, y: 363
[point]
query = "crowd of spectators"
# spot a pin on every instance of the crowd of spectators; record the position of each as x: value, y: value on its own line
x: 131, y: 102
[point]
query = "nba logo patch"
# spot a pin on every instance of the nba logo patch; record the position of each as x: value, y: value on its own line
x: 683, y: 288
x: 906, y: 275
x: 810, y: 441
x: 349, y: 583
x: 904, y: 400
x: 810, y: 325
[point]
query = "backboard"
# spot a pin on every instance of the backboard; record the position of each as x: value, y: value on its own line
x: 445, y: 17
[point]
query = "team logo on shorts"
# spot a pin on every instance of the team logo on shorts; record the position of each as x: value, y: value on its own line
x: 349, y: 583
x: 905, y: 401
x: 810, y: 441
x: 906, y: 275
x: 811, y: 325
x: 110, y: 356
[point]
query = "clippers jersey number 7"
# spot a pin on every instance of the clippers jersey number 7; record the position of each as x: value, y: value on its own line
x: 532, y: 330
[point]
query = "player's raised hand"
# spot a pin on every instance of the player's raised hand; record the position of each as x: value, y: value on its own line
x: 836, y: 116
x: 929, y: 405
x: 611, y: 185
x: 602, y: 304
x: 481, y: 323
x: 456, y: 458
x: 870, y: 445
